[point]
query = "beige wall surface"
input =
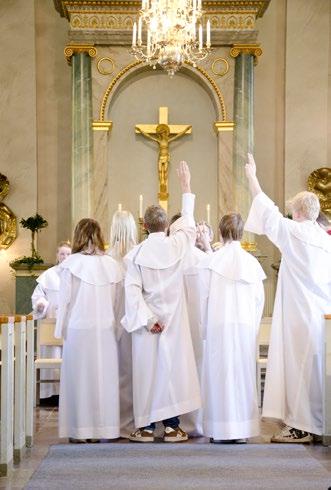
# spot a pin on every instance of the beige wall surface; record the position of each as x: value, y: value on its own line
x: 307, y: 91
x: 53, y: 86
x: 35, y: 124
x: 18, y: 146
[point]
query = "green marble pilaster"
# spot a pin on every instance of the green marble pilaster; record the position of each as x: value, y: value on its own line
x: 243, y: 133
x: 82, y: 138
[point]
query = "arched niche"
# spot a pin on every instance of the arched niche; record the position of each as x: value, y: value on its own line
x: 132, y: 160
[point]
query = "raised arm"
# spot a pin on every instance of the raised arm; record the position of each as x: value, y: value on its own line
x: 264, y: 217
x: 183, y: 231
x: 250, y: 169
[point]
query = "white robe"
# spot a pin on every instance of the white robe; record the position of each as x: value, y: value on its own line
x: 165, y: 379
x: 47, y: 293
x: 192, y: 422
x: 293, y: 388
x: 125, y: 370
x: 232, y: 299
x: 88, y: 319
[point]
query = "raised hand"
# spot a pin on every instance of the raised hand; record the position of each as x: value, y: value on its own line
x: 250, y: 167
x: 184, y: 176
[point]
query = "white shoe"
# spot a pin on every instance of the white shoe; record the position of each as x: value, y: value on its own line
x: 289, y: 435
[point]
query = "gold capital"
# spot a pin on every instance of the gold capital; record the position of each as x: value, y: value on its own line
x: 252, y: 49
x: 102, y: 125
x: 71, y: 49
x: 223, y: 126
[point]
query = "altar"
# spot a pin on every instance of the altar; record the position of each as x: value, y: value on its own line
x: 113, y: 94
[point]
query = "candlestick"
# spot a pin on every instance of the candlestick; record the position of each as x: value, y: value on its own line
x: 119, y: 207
x: 208, y: 34
x: 134, y: 34
x: 139, y: 30
x: 208, y: 213
x: 140, y: 206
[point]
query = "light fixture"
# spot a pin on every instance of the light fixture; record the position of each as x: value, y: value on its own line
x: 174, y: 34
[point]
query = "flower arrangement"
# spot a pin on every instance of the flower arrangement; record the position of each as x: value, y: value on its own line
x: 34, y: 224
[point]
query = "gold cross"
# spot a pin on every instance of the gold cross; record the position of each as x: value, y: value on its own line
x: 164, y: 134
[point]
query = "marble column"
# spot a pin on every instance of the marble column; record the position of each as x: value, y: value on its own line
x: 79, y: 57
x: 243, y: 141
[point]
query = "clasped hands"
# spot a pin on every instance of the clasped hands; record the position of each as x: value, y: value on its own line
x: 157, y: 328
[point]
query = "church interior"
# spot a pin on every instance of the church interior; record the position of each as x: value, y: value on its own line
x: 92, y: 123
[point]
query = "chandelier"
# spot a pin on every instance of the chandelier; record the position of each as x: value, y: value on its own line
x: 174, y: 34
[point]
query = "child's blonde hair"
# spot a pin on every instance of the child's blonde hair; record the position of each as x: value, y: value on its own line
x: 123, y: 234
x: 306, y: 203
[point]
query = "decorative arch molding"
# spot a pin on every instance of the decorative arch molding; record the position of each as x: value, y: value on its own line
x: 198, y: 74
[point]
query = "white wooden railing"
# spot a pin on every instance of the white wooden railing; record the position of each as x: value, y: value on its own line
x: 17, y: 387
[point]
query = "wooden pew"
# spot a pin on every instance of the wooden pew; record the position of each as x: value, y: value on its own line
x: 326, y: 370
x: 7, y: 394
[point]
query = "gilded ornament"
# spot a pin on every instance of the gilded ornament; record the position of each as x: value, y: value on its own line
x: 8, y: 222
x: 105, y: 66
x: 4, y: 187
x: 220, y: 72
x: 67, y: 7
x: 319, y: 182
x: 252, y: 49
x: 72, y: 49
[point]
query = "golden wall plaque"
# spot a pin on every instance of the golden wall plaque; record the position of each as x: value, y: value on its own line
x: 8, y: 221
x: 319, y: 182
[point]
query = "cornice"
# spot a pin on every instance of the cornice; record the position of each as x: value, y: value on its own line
x: 65, y: 7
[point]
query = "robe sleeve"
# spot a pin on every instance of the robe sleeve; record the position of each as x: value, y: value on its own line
x: 39, y: 297
x: 259, y: 303
x: 204, y: 286
x: 118, y: 306
x: 183, y: 231
x: 137, y: 313
x: 264, y: 218
x: 64, y: 301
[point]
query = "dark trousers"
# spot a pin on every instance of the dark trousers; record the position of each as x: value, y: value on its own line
x: 173, y: 422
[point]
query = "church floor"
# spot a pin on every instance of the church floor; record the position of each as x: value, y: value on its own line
x: 46, y: 434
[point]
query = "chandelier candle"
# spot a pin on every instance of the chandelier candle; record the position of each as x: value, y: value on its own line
x: 171, y: 38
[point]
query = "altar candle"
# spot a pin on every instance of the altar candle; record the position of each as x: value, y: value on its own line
x: 119, y: 207
x: 208, y: 213
x: 134, y: 34
x: 199, y: 4
x: 208, y: 34
x: 140, y: 206
x: 139, y: 30
x: 200, y: 36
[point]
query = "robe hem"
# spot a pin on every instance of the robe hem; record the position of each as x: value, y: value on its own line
x: 90, y: 432
x: 168, y: 412
x: 292, y: 423
x: 232, y: 430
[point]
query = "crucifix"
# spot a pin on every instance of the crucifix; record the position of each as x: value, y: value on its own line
x: 163, y: 134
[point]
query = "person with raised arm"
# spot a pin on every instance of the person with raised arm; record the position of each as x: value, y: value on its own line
x: 293, y: 388
x: 165, y: 379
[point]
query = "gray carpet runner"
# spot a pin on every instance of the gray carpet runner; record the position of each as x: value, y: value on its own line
x: 179, y: 467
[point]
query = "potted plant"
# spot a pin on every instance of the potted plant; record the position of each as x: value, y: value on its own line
x: 34, y: 224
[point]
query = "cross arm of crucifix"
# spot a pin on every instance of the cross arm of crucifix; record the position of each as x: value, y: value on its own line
x: 147, y: 135
x: 178, y: 135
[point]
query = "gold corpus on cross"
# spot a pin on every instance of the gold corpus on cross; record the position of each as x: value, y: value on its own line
x: 163, y: 134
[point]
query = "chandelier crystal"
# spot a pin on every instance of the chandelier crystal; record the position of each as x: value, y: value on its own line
x: 174, y: 34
